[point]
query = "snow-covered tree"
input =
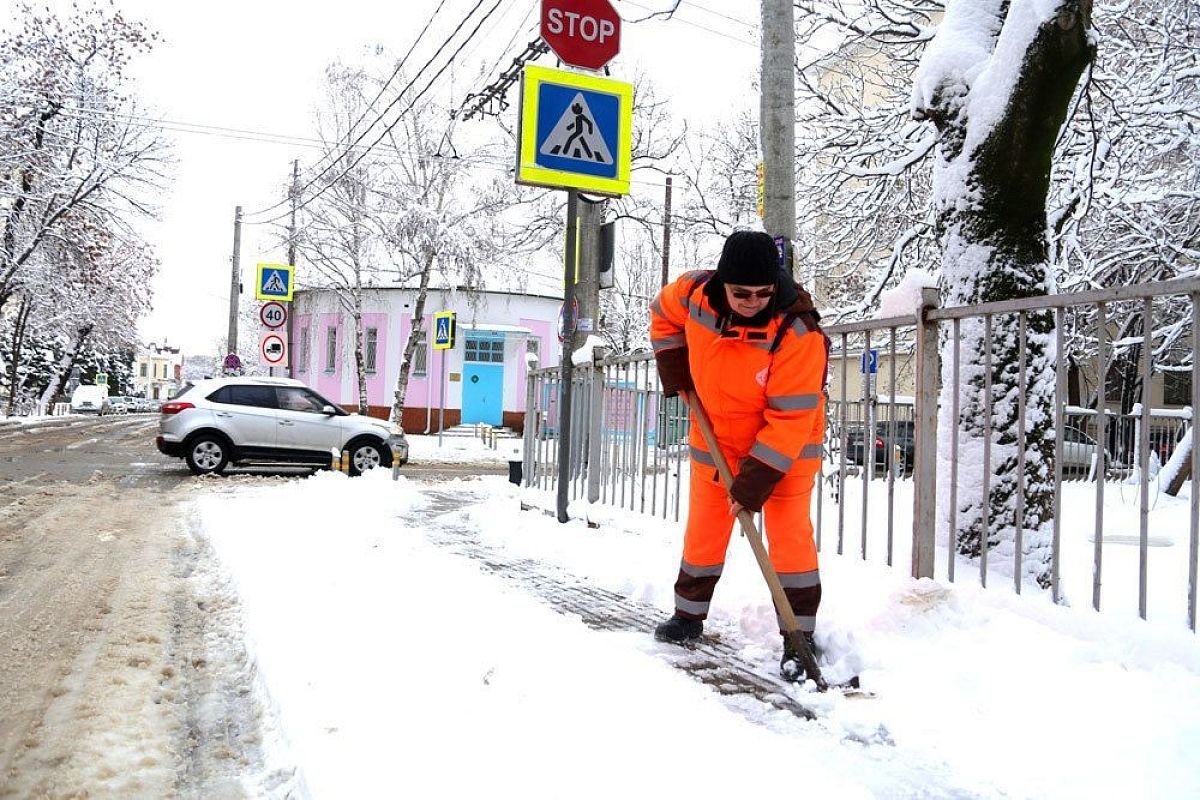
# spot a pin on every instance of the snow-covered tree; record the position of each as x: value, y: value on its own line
x: 73, y: 161
x: 339, y: 238
x: 1125, y: 186
x: 997, y: 82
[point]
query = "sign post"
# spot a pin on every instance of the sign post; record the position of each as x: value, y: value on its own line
x: 444, y: 330
x: 575, y: 133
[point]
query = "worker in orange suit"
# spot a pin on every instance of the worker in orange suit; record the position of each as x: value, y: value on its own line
x: 745, y: 339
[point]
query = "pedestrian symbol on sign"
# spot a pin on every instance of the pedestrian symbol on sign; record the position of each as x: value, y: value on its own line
x: 575, y: 136
x: 443, y: 330
x: 274, y: 284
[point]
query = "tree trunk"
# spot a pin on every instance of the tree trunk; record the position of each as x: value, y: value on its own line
x: 991, y: 205
x: 18, y: 341
x: 58, y: 378
x: 414, y: 337
x: 360, y: 363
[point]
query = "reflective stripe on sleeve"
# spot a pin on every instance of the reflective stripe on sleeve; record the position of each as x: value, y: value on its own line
x: 770, y: 457
x: 692, y: 607
x: 703, y: 457
x: 800, y: 327
x: 701, y: 572
x: 800, y: 580
x: 657, y: 308
x: 669, y: 342
x: 794, y: 402
x: 812, y: 451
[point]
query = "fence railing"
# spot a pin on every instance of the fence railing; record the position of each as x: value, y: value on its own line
x: 891, y: 491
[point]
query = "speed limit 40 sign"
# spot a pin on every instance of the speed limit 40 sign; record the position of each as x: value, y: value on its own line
x: 273, y: 315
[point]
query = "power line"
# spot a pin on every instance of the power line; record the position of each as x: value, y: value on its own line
x: 395, y: 72
x: 393, y: 104
x: 386, y: 130
x: 697, y: 25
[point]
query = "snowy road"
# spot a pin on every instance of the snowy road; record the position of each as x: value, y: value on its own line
x: 108, y: 682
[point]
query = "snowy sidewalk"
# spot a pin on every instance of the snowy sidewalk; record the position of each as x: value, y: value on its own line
x: 400, y: 658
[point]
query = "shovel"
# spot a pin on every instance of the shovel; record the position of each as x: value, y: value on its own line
x: 791, y: 628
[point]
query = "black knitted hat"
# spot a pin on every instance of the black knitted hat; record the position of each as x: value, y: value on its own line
x: 749, y: 258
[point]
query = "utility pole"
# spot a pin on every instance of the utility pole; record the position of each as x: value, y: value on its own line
x: 777, y: 122
x: 566, y: 368
x: 235, y: 282
x: 666, y: 264
x: 295, y: 196
x: 587, y: 287
x: 291, y: 260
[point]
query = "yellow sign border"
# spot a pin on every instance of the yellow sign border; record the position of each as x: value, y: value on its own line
x: 530, y: 174
x: 450, y: 315
x: 291, y: 279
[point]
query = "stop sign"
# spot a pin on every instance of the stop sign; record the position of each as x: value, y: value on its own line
x: 582, y: 33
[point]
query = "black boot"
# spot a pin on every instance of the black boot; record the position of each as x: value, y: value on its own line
x: 791, y: 667
x: 679, y: 630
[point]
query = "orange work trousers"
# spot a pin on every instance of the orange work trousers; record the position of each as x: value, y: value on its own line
x: 789, y: 534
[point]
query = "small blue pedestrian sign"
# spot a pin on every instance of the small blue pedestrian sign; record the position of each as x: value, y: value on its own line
x: 443, y: 330
x: 274, y: 282
x: 870, y: 362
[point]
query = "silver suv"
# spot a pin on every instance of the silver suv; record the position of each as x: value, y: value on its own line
x: 214, y: 423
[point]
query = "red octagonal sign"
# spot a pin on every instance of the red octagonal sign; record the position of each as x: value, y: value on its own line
x: 582, y: 33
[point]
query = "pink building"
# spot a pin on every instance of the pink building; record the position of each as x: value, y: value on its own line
x: 484, y: 374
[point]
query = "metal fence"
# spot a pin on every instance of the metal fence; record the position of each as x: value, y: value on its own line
x: 879, y: 484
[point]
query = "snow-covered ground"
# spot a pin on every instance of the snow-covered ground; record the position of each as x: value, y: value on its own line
x: 459, y: 450
x: 395, y: 666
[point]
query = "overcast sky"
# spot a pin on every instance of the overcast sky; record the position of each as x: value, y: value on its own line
x: 257, y: 65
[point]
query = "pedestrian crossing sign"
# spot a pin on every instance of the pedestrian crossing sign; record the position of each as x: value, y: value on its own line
x: 443, y: 330
x: 274, y: 282
x: 576, y: 131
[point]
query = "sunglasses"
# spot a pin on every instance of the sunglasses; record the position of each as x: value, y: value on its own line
x: 746, y: 294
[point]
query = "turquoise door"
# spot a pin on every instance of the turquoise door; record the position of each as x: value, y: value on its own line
x: 483, y: 379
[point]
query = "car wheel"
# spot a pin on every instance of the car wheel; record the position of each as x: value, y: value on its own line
x: 207, y: 454
x: 368, y: 454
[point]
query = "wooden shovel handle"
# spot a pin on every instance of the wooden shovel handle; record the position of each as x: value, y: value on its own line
x: 791, y: 627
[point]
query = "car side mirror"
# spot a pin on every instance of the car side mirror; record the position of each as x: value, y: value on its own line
x: 329, y: 411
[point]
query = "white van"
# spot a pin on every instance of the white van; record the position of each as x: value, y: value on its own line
x: 90, y: 400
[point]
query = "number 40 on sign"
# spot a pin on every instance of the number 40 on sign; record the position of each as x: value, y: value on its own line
x: 273, y: 315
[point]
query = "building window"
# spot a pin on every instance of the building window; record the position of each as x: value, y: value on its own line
x: 421, y: 357
x: 303, y: 366
x: 370, y: 347
x: 330, y: 349
x: 1177, y: 388
x: 145, y: 369
x: 490, y: 351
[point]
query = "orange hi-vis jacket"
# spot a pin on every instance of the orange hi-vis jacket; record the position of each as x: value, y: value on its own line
x: 763, y: 387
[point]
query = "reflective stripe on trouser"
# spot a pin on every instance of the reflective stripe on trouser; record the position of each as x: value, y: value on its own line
x: 790, y: 544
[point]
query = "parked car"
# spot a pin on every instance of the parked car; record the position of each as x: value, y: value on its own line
x: 90, y: 399
x: 251, y: 420
x: 1078, y: 450
x: 120, y: 404
x: 893, y: 449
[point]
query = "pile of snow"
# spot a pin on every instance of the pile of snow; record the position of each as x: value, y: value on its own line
x: 392, y: 662
x: 905, y: 298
